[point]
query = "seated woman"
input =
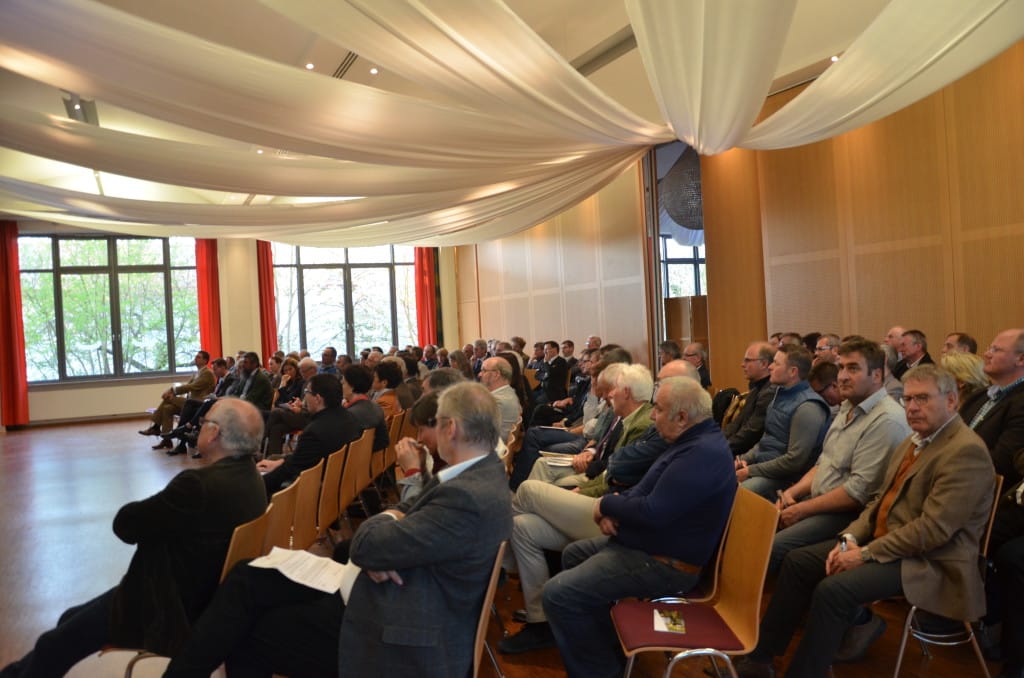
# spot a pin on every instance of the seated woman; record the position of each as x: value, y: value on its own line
x: 416, y: 457
x: 968, y: 370
x: 291, y: 383
x: 356, y: 382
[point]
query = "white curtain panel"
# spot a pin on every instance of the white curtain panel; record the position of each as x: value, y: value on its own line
x: 520, y: 136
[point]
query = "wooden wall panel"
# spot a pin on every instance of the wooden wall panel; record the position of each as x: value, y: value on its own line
x: 993, y: 301
x: 798, y: 200
x: 806, y: 295
x: 515, y: 279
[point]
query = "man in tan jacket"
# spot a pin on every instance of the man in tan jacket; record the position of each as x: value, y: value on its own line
x: 171, y: 401
x: 918, y: 538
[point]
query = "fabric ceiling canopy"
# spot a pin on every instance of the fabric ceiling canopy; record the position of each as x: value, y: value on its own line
x: 514, y: 136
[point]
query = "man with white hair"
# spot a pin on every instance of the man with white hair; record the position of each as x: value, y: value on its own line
x: 496, y: 375
x: 655, y: 537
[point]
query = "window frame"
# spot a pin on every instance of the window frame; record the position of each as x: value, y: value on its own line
x: 695, y: 261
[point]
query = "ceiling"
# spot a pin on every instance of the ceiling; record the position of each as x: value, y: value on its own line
x: 576, y: 29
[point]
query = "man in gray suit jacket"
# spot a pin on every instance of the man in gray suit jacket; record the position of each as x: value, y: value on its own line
x: 918, y: 538
x: 414, y: 608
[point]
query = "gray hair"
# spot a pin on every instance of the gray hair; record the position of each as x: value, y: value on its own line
x: 687, y: 395
x: 476, y: 411
x: 943, y: 380
x: 637, y: 379
x: 240, y: 424
x: 307, y: 364
x: 610, y: 375
x: 443, y: 377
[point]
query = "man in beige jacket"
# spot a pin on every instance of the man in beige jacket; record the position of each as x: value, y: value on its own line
x: 918, y: 538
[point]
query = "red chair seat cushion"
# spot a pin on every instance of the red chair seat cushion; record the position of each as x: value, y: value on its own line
x: 634, y: 621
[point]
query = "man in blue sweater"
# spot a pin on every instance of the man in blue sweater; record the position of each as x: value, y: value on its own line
x: 658, y: 534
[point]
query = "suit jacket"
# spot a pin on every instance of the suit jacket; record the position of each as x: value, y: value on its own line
x: 443, y: 549
x: 327, y: 432
x: 182, y: 535
x: 1002, y: 429
x: 901, y: 367
x: 255, y: 389
x: 936, y: 522
x: 555, y: 380
x: 199, y: 386
x: 746, y: 429
x: 369, y: 414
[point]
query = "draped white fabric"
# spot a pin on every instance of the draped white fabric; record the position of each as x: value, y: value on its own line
x: 516, y: 137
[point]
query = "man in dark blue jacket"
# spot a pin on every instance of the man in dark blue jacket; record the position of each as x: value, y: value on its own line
x: 658, y: 534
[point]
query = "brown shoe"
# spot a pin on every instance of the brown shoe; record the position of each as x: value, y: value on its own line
x: 153, y: 430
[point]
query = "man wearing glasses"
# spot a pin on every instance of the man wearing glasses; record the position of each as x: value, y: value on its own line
x: 181, y: 535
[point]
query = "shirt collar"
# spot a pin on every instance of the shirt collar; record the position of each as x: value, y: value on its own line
x: 996, y: 392
x: 924, y: 442
x: 451, y: 472
x: 865, y: 405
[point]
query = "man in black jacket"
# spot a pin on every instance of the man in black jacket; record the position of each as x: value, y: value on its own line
x: 182, y: 535
x: 747, y: 427
x: 330, y: 428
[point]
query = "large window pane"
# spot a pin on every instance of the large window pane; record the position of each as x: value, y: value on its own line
x: 39, y: 318
x: 35, y: 253
x: 404, y: 254
x: 282, y: 254
x: 88, y: 348
x: 369, y: 255
x: 143, y: 322
x: 183, y: 252
x: 82, y: 252
x: 405, y: 298
x: 287, y: 307
x: 140, y: 252
x: 680, y: 281
x: 676, y: 251
x: 321, y: 255
x: 371, y: 307
x: 324, y: 295
x: 185, y: 318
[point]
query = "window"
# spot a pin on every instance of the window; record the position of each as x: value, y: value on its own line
x: 683, y: 271
x: 107, y: 306
x: 349, y: 298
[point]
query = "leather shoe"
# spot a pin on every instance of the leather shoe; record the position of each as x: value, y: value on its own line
x: 178, y: 449
x: 197, y: 455
x: 519, y: 616
x: 164, y: 444
x: 533, y: 636
x: 153, y: 430
x: 858, y: 639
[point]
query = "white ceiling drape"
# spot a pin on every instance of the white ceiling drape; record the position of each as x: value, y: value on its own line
x: 514, y: 136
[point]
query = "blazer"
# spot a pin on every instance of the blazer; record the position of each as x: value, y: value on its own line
x: 182, y: 535
x: 937, y: 521
x: 199, y: 386
x: 444, y: 550
x: 1002, y: 429
x: 327, y: 432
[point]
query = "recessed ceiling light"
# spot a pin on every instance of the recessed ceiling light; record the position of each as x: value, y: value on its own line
x: 309, y: 67
x: 835, y: 58
x: 374, y: 71
x: 78, y: 107
x: 260, y: 151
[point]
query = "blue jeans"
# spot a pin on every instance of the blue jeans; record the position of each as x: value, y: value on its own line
x: 766, y: 487
x: 577, y: 600
x: 810, y: 530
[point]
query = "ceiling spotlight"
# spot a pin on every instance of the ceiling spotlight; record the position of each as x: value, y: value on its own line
x: 78, y: 107
x: 374, y: 71
x: 259, y: 151
x: 835, y: 58
x: 309, y: 67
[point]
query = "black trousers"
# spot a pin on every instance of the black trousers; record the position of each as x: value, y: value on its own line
x: 1009, y: 561
x: 830, y: 603
x: 261, y: 623
x: 80, y: 631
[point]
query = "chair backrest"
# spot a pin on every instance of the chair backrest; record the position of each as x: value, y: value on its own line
x: 357, y: 470
x: 408, y: 429
x: 485, y: 609
x: 247, y: 541
x: 395, y: 424
x: 279, y: 528
x: 748, y: 545
x: 327, y: 510
x: 710, y: 577
x: 304, y: 530
x: 996, y: 496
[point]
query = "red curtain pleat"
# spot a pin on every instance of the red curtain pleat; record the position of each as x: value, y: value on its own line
x: 426, y: 296
x: 268, y: 308
x: 13, y: 376
x: 208, y: 291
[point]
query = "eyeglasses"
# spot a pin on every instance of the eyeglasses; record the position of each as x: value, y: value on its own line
x: 920, y: 399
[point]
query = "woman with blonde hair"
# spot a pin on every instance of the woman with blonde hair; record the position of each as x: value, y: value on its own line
x: 968, y: 370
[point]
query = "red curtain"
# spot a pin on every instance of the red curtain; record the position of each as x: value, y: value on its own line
x: 13, y: 376
x: 268, y: 309
x: 208, y: 291
x: 426, y: 296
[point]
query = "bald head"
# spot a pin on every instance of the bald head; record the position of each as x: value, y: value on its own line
x: 678, y: 368
x: 232, y: 427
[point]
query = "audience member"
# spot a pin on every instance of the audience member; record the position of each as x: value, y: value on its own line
x: 893, y: 337
x: 173, y: 399
x: 386, y: 378
x: 460, y: 362
x: 441, y: 378
x: 289, y: 416
x: 959, y: 342
x: 747, y: 426
x: 823, y: 380
x: 969, y: 371
x: 495, y: 375
x: 826, y: 349
x: 914, y: 349
x: 356, y: 382
x: 290, y: 384
x: 555, y: 377
x: 253, y: 385
x: 668, y: 351
x: 696, y: 353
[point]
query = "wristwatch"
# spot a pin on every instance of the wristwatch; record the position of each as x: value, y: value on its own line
x: 866, y: 555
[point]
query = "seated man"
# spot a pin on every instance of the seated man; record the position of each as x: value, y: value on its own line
x: 918, y: 538
x: 356, y: 382
x: 824, y: 380
x: 496, y: 375
x: 853, y: 457
x: 253, y: 384
x: 914, y: 349
x: 568, y: 410
x: 794, y: 428
x: 698, y: 355
x: 657, y: 535
x: 553, y: 377
x: 327, y: 361
x: 182, y: 535
x: 413, y: 609
x: 747, y: 427
x: 330, y: 428
x: 290, y: 416
x: 387, y: 376
x: 173, y: 399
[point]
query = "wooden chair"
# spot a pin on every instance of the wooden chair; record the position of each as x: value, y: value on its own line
x: 383, y: 459
x: 358, y: 469
x: 279, y: 528
x: 247, y: 541
x: 726, y: 626
x: 530, y: 375
x: 327, y: 509
x: 912, y: 625
x: 485, y: 613
x: 513, y: 445
x: 304, y: 528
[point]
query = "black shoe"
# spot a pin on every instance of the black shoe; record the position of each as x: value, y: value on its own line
x: 197, y: 454
x: 533, y: 636
x: 519, y: 616
x: 164, y: 444
x: 858, y: 639
x: 153, y: 430
x: 178, y: 449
